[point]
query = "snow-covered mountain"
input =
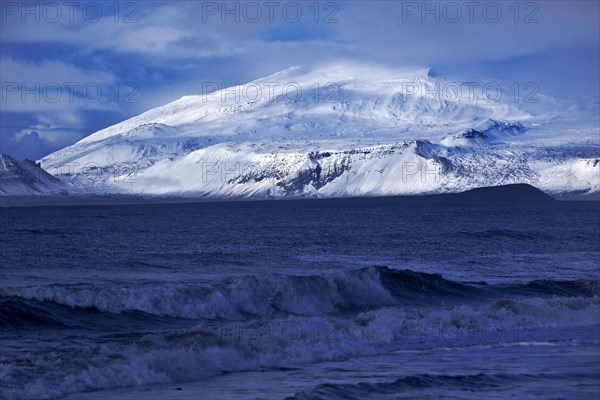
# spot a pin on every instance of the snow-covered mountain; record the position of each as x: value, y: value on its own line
x: 26, y: 178
x: 337, y: 130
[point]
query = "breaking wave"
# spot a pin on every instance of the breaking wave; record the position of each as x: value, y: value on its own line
x: 251, y: 296
x: 175, y: 332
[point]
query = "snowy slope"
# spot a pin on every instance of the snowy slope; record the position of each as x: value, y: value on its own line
x: 19, y: 178
x: 339, y: 130
x: 330, y: 102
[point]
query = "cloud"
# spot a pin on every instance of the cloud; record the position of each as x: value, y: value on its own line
x: 425, y: 33
x: 151, y: 28
x: 29, y: 146
x: 49, y: 132
x: 165, y: 50
x: 57, y: 129
x: 53, y: 85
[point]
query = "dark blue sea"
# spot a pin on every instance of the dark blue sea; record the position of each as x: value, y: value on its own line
x: 300, y: 300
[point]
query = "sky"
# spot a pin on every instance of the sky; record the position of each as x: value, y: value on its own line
x: 70, y: 68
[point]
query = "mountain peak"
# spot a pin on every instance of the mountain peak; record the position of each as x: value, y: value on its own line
x: 339, y: 100
x: 344, y: 129
x: 25, y: 178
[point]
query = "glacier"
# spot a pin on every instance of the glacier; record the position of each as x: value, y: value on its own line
x: 339, y: 130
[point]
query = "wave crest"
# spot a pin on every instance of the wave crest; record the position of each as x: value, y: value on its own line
x: 249, y: 296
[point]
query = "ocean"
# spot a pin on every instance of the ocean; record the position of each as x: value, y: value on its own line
x: 300, y: 300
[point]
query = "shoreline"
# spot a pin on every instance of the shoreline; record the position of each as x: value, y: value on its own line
x: 514, y: 195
